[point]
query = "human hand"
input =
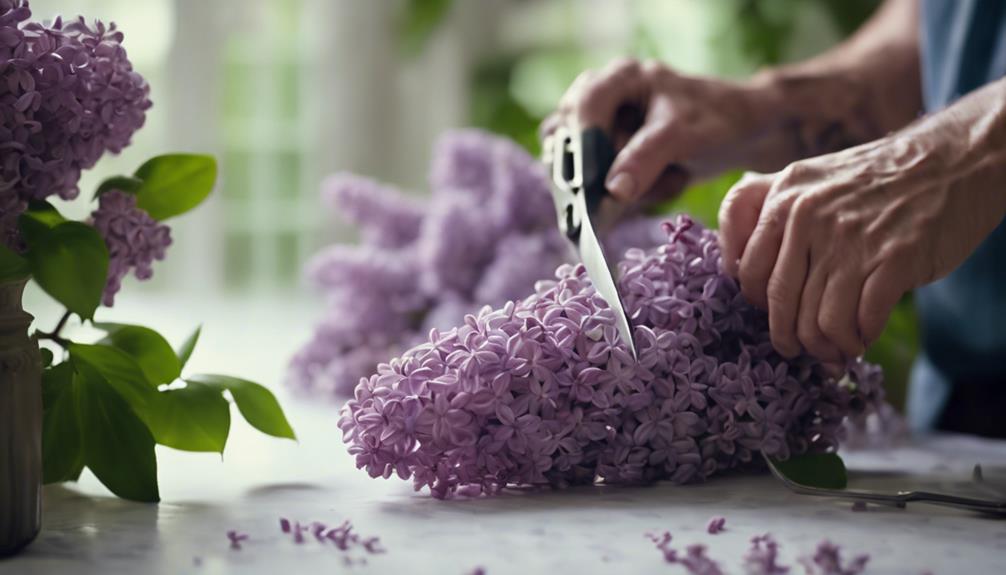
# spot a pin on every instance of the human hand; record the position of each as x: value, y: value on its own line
x: 666, y: 127
x: 830, y: 244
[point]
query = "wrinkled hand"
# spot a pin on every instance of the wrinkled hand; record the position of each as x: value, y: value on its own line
x: 830, y: 244
x: 663, y: 125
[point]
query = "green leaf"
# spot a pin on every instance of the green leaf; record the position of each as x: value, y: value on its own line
x: 118, y: 369
x: 47, y: 356
x: 148, y: 348
x: 895, y: 351
x: 257, y: 404
x: 190, y: 419
x: 194, y: 418
x: 70, y: 262
x: 12, y: 265
x: 185, y: 352
x: 175, y: 183
x: 62, y: 453
x: 37, y: 220
x: 117, y: 445
x: 418, y: 21
x: 824, y: 470
x: 127, y: 184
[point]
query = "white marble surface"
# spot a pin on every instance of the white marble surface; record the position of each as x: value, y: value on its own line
x: 582, y: 530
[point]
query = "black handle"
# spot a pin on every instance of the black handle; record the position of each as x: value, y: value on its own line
x: 598, y: 155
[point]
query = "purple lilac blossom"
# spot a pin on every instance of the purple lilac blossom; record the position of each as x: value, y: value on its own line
x: 484, y: 236
x: 663, y: 544
x: 716, y: 525
x: 343, y: 537
x: 694, y: 559
x: 384, y: 216
x: 68, y: 94
x: 236, y: 539
x: 543, y: 392
x: 763, y: 557
x: 133, y: 238
x: 827, y: 560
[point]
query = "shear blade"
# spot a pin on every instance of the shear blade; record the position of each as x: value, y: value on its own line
x: 592, y: 256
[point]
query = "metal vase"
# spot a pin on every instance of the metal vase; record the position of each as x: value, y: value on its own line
x: 20, y: 424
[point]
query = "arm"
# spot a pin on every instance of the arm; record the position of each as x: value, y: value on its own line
x: 863, y: 89
x: 831, y: 243
x: 860, y: 90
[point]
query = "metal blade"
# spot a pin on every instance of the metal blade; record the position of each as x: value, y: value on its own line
x: 592, y: 257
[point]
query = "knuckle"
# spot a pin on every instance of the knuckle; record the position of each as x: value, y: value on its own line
x: 624, y: 66
x: 774, y: 215
x: 805, y: 207
x: 832, y: 326
x: 841, y: 331
x: 652, y: 68
x: 727, y: 211
x: 817, y: 345
x: 793, y: 173
x: 778, y: 293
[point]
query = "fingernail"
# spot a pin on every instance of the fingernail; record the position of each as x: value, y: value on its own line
x: 621, y: 185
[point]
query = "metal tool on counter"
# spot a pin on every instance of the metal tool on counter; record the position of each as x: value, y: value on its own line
x: 578, y: 164
x: 996, y: 506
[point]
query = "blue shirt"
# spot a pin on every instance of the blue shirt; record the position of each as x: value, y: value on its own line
x: 963, y: 316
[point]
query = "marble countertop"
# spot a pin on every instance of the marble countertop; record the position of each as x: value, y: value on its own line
x: 580, y: 530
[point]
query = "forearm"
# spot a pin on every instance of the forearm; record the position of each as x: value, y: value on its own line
x: 964, y: 147
x: 861, y: 90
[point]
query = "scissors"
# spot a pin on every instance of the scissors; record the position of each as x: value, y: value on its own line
x: 578, y: 164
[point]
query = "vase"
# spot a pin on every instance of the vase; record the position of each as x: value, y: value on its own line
x: 20, y: 423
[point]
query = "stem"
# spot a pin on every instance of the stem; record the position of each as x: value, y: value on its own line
x: 54, y: 335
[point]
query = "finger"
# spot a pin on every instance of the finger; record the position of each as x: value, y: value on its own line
x: 567, y: 103
x: 762, y: 249
x: 832, y: 370
x: 838, y: 317
x: 738, y: 215
x: 548, y: 125
x: 808, y: 330
x: 602, y: 96
x: 671, y: 182
x: 786, y: 288
x: 882, y: 289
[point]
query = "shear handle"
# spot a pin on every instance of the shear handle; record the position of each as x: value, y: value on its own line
x: 597, y: 155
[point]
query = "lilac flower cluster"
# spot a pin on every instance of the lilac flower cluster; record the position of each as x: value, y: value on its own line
x: 68, y: 94
x: 543, y: 392
x: 133, y: 238
x: 484, y: 237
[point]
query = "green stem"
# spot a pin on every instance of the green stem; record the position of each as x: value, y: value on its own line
x: 54, y: 335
